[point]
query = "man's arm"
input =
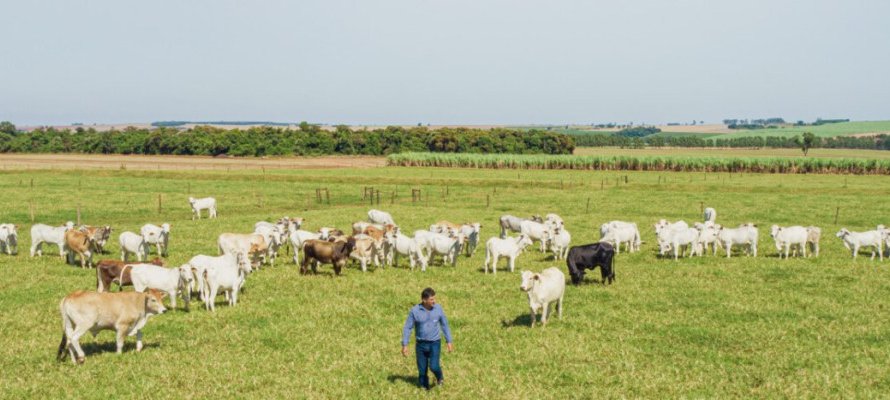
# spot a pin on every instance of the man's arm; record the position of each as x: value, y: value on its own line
x: 406, y: 332
x: 447, y: 331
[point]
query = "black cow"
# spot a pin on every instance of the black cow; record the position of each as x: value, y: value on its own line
x: 590, y: 256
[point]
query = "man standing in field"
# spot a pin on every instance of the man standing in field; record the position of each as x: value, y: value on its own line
x: 426, y: 318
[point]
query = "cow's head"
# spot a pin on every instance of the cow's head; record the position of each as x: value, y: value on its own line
x: 154, y: 302
x: 523, y: 241
x: 192, y: 200
x: 165, y: 227
x: 774, y: 230
x: 842, y: 233
x: 529, y: 279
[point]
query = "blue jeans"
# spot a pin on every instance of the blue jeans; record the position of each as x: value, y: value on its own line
x: 428, y: 357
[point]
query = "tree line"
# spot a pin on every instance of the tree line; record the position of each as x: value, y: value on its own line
x: 276, y: 141
x: 879, y: 142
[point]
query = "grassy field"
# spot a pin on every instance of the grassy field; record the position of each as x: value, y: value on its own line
x: 720, y: 131
x: 702, y: 327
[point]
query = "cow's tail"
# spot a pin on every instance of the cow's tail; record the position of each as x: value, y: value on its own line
x: 120, y: 278
x: 99, y: 286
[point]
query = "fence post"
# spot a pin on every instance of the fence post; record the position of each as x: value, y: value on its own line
x: 487, y: 200
x: 378, y: 197
x: 78, y: 215
x: 587, y: 209
x: 392, y: 200
x: 836, y: 212
x: 159, y: 204
x: 327, y: 195
x: 701, y: 207
x: 31, y: 210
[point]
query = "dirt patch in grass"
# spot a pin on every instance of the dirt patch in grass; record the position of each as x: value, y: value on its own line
x: 139, y: 162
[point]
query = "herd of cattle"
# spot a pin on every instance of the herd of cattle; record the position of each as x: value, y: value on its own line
x: 378, y: 241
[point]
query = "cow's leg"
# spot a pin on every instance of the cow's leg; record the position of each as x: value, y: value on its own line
x: 855, y: 250
x: 728, y: 246
x: 544, y: 312
x: 120, y: 334
x: 74, y: 341
x: 534, y: 315
x: 787, y: 248
x: 754, y: 249
x: 559, y: 306
x: 487, y: 260
x: 139, y: 340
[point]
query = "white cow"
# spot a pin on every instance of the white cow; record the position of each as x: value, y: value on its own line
x: 618, y: 232
x: 543, y: 289
x: 745, y: 235
x: 9, y: 238
x: 680, y: 240
x: 560, y: 242
x: 814, y: 234
x: 856, y: 240
x: 661, y: 231
x: 274, y: 237
x: 201, y: 263
x: 41, y: 234
x: 133, y: 243
x: 252, y: 245
x: 510, y: 223
x: 157, y: 235
x: 509, y: 247
x: 788, y: 237
x: 380, y: 217
x: 537, y: 231
x: 708, y: 236
x: 229, y: 276
x: 206, y: 203
x: 554, y: 219
x: 296, y: 239
x: 710, y: 215
x: 172, y: 281
x: 448, y: 246
x: 366, y: 250
x: 406, y: 246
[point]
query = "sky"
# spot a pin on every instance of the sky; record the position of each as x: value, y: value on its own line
x: 442, y: 61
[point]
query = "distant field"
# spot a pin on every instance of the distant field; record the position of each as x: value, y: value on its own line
x: 732, y: 152
x: 720, y: 131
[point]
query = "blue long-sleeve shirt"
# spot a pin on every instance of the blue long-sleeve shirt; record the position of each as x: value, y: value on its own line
x: 426, y: 324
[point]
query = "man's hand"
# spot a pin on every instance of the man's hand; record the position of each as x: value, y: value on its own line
x: 450, y: 347
x: 405, y: 350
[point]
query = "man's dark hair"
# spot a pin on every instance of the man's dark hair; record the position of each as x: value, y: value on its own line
x: 427, y: 293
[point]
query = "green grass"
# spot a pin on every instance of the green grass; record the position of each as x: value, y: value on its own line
x: 733, y: 152
x: 702, y: 327
x: 827, y: 130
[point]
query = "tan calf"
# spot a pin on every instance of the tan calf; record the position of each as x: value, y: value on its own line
x: 77, y: 242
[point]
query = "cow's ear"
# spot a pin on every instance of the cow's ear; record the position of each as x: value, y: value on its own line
x: 537, y: 277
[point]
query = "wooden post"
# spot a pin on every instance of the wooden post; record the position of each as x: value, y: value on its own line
x: 836, y: 212
x: 603, y: 184
x: 32, y: 183
x: 625, y: 179
x: 159, y: 204
x: 78, y: 215
x: 378, y: 197
x: 487, y: 200
x: 392, y: 200
x: 587, y: 209
x: 31, y: 210
x: 327, y: 196
x: 190, y: 189
x: 701, y: 207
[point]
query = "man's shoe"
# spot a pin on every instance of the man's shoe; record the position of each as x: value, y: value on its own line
x: 440, y: 382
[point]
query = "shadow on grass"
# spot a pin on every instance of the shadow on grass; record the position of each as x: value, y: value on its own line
x: 523, y: 320
x: 111, y: 347
x: 409, y: 379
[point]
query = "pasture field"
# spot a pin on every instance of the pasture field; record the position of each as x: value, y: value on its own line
x: 733, y: 152
x: 702, y: 327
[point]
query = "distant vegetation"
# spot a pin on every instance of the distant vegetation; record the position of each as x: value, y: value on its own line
x: 233, y: 123
x: 639, y: 131
x: 645, y: 163
x: 274, y: 141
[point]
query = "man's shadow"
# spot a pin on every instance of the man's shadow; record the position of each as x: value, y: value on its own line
x: 409, y: 379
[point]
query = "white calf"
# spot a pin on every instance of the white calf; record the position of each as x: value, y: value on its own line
x: 710, y: 215
x: 201, y: 263
x: 510, y: 247
x: 560, y: 242
x: 618, y: 232
x: 543, y: 289
x: 132, y: 243
x: 9, y: 238
x: 274, y: 237
x: 707, y: 236
x: 510, y: 223
x: 856, y: 240
x: 380, y: 217
x: 172, y: 281
x: 814, y: 234
x: 745, y: 235
x: 41, y: 234
x: 228, y: 275
x: 787, y: 237
x: 207, y: 203
x: 252, y: 245
x: 537, y: 231
x: 406, y: 246
x: 157, y: 235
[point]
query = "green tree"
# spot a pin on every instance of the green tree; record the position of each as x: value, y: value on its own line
x: 806, y: 142
x: 7, y: 128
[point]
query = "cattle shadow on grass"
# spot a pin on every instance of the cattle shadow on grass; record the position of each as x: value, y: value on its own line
x: 409, y: 379
x: 522, y: 320
x: 93, y: 348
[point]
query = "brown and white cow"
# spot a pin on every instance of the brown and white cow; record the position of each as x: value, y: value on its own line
x: 110, y: 271
x: 319, y: 251
x: 78, y: 243
x: 98, y: 235
x: 126, y: 313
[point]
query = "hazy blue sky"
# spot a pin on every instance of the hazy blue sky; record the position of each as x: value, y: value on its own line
x: 471, y: 62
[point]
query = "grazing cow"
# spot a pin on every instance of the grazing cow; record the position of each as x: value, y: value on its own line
x: 328, y: 233
x: 537, y: 231
x: 787, y: 237
x: 226, y: 272
x: 126, y: 313
x: 296, y: 239
x: 171, y: 281
x: 41, y: 233
x: 509, y: 247
x: 274, y: 237
x: 78, y: 243
x: 9, y: 238
x: 707, y: 236
x: 98, y: 235
x: 133, y: 243
x: 109, y: 271
x: 318, y: 251
x: 252, y: 245
x: 559, y: 243
x: 745, y: 235
x: 544, y: 288
x: 380, y: 217
x: 590, y: 256
x: 510, y: 223
x: 407, y: 246
x: 814, y: 234
x: 437, y: 243
x: 157, y: 235
x: 472, y: 231
x: 206, y: 203
x: 366, y: 250
x: 661, y: 228
x: 680, y: 240
x: 710, y: 215
x: 856, y: 240
x: 554, y: 219
x: 200, y: 263
x: 618, y: 232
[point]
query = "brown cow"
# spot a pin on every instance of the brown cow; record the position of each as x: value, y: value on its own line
x: 125, y: 313
x: 319, y: 251
x: 77, y: 242
x: 109, y: 271
x: 98, y: 235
